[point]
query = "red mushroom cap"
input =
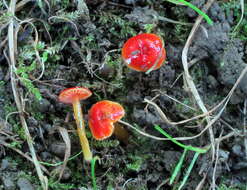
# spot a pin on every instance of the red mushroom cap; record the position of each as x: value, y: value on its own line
x: 143, y: 51
x: 102, y: 115
x: 69, y: 95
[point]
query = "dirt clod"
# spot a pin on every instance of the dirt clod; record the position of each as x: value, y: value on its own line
x: 24, y: 184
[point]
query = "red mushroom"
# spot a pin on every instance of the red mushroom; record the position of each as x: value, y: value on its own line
x: 102, y: 116
x: 144, y: 52
x: 73, y: 96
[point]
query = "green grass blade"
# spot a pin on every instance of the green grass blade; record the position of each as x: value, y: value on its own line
x: 204, y: 15
x: 93, y: 162
x: 178, y: 167
x: 187, y: 174
x: 176, y: 2
x: 188, y: 147
x: 60, y: 163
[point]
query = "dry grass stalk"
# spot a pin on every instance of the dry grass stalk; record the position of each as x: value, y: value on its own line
x: 12, y: 45
x: 188, y: 77
x: 65, y: 135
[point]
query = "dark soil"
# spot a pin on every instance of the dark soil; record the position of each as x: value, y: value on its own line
x: 86, y: 51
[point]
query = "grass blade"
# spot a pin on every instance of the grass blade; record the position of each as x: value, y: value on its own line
x: 93, y: 162
x: 178, y: 167
x: 187, y: 174
x: 65, y: 135
x: 204, y: 15
x: 188, y: 147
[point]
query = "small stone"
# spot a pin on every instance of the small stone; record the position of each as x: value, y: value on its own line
x: 45, y: 156
x: 42, y: 106
x: 212, y: 82
x: 224, y: 155
x: 107, y: 71
x: 4, y: 165
x: 66, y: 173
x: 146, y: 117
x: 24, y: 184
x: 58, y: 148
x: 237, y: 150
x: 47, y: 127
x: 8, y: 183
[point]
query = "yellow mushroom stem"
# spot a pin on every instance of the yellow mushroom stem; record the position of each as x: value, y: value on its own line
x: 81, y: 130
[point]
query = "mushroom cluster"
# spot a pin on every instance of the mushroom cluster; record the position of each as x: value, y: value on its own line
x: 102, y: 116
x: 143, y: 52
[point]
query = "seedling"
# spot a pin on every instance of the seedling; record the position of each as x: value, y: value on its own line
x: 144, y: 52
x: 73, y: 96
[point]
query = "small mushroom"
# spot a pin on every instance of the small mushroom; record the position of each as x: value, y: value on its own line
x: 102, y: 117
x: 73, y: 96
x: 144, y: 52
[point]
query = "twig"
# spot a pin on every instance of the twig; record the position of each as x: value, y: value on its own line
x: 201, y: 184
x: 188, y: 77
x: 223, y: 103
x: 63, y: 19
x: 18, y: 6
x: 163, y: 183
x: 241, y: 17
x: 175, y: 100
x: 24, y: 155
x: 213, y: 185
x: 12, y: 43
x: 190, y: 64
x: 141, y: 132
x: 245, y: 127
x: 65, y: 135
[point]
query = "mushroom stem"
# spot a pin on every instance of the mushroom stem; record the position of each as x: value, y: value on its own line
x: 81, y: 130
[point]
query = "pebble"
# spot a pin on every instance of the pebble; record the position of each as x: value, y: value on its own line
x: 66, y: 173
x: 45, y: 156
x: 58, y: 148
x: 4, y: 164
x: 224, y: 155
x: 42, y: 106
x: 212, y: 82
x: 24, y: 184
x: 8, y: 182
x: 237, y: 150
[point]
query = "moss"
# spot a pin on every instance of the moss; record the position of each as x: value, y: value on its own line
x: 105, y: 143
x: 136, y: 163
x: 117, y: 26
x: 235, y: 7
x: 18, y: 129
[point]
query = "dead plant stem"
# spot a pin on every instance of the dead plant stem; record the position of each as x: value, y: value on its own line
x: 189, y: 79
x: 12, y: 44
x: 244, y: 126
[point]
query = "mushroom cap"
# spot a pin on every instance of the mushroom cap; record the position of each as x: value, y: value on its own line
x: 143, y: 51
x: 102, y: 115
x: 69, y: 95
